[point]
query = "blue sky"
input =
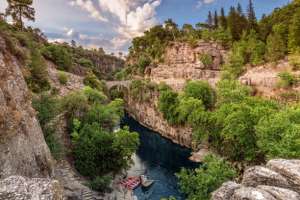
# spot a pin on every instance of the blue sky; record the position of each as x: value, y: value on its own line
x: 112, y: 24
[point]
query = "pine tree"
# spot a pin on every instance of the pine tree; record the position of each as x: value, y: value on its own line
x: 275, y: 49
x: 223, y: 20
x: 216, y: 19
x: 210, y: 19
x: 19, y: 9
x: 294, y: 33
x: 239, y: 9
x: 252, y: 21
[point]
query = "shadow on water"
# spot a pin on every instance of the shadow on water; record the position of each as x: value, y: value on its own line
x: 159, y: 159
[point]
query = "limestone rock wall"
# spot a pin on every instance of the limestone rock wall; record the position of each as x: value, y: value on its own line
x: 23, y: 150
x: 147, y: 114
x: 278, y: 180
x: 182, y: 62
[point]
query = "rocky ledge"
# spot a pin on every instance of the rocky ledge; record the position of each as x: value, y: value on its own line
x: 278, y: 180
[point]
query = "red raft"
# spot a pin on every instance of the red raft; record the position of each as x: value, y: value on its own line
x: 131, y: 183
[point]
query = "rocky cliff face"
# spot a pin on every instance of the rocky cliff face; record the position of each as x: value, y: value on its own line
x: 147, y: 114
x: 182, y: 62
x: 23, y: 150
x: 278, y: 180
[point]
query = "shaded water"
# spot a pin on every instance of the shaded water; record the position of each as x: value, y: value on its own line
x: 159, y: 159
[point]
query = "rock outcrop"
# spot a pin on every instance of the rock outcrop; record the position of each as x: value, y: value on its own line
x: 279, y: 180
x: 23, y: 150
x: 182, y: 62
x: 147, y: 114
x: 18, y: 187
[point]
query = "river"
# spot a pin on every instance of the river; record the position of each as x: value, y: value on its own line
x: 159, y: 159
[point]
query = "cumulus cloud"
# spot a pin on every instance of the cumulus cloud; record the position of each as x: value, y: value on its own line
x: 88, y: 6
x: 203, y: 2
x: 129, y: 18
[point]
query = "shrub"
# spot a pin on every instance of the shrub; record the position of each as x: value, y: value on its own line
x: 56, y: 148
x: 279, y: 134
x: 101, y: 183
x: 206, y: 59
x: 200, y: 90
x: 143, y: 62
x: 167, y: 104
x: 186, y: 106
x: 140, y: 90
x: 94, y: 96
x: 38, y: 79
x: 85, y: 63
x: 294, y: 60
x: 286, y: 79
x: 201, y: 182
x: 62, y: 77
x: 59, y: 55
x: 92, y: 81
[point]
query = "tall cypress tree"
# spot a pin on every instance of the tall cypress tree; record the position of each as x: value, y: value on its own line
x: 19, y: 9
x: 210, y: 19
x: 223, y: 20
x: 216, y: 19
x: 252, y: 21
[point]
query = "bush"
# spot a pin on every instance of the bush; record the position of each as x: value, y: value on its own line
x: 286, y: 80
x: 59, y: 55
x: 94, y: 96
x: 101, y: 183
x: 201, y: 90
x: 143, y: 62
x: 279, y: 134
x: 167, y: 104
x: 141, y: 90
x: 92, y: 81
x: 201, y: 182
x: 206, y: 59
x: 62, y: 77
x: 85, y: 63
x: 38, y: 79
x: 56, y: 148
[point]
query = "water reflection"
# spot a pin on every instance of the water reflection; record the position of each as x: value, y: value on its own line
x: 159, y: 159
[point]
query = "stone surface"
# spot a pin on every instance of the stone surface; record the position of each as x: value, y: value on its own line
x: 225, y: 191
x: 20, y: 188
x: 259, y: 175
x: 182, y: 63
x: 280, y: 193
x: 251, y: 193
x: 289, y: 169
x: 279, y: 180
x: 23, y: 150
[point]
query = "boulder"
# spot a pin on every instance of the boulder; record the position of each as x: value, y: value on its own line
x: 21, y: 188
x: 251, y: 193
x: 289, y: 169
x: 259, y: 175
x: 280, y: 193
x: 225, y: 191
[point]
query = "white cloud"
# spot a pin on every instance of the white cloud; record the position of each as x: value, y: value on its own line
x: 88, y: 6
x: 129, y: 18
x: 202, y: 2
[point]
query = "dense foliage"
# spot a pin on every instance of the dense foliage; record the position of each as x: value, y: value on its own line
x: 199, y: 183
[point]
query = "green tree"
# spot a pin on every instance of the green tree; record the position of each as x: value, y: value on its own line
x: 252, y: 21
x: 279, y: 134
x: 200, y: 90
x: 19, y: 9
x: 223, y: 20
x: 210, y: 20
x: 201, y: 182
x: 275, y: 48
x: 294, y: 32
x: 167, y: 104
x: 216, y: 19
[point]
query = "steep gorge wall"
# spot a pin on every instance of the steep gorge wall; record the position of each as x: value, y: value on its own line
x: 23, y: 150
x: 147, y: 114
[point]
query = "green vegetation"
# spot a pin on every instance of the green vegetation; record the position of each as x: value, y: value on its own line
x: 199, y: 183
x: 91, y: 80
x: 62, y: 77
x: 206, y: 59
x: 141, y: 90
x: 287, y: 80
x: 101, y: 183
x: 59, y: 55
